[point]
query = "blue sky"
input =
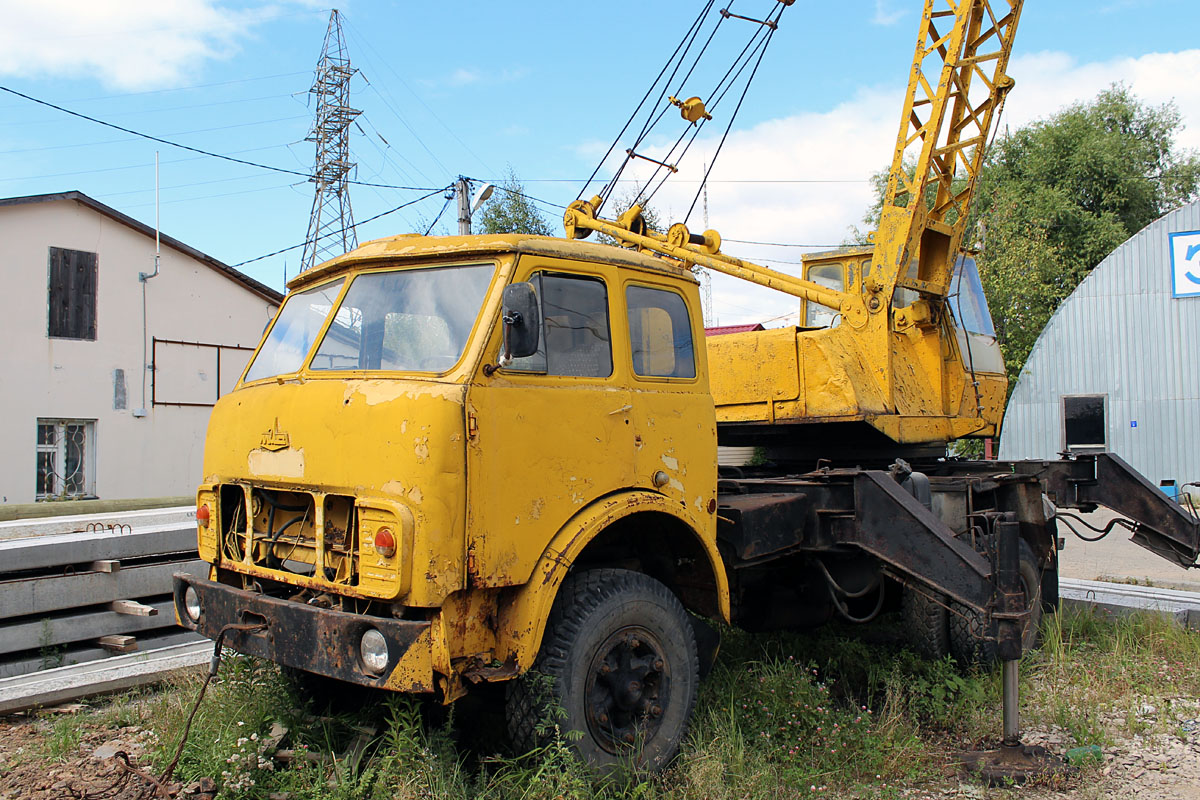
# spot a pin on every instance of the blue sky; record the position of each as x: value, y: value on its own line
x: 474, y: 88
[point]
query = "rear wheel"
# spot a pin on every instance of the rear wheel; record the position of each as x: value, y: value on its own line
x: 973, y: 635
x: 618, y: 665
x: 925, y: 621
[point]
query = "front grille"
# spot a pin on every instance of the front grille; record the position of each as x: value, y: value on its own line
x: 289, y: 532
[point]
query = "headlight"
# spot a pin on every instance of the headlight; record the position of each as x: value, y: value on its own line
x: 374, y: 652
x: 191, y: 603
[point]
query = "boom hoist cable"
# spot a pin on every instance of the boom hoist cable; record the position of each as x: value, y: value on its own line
x: 694, y: 110
x: 957, y: 86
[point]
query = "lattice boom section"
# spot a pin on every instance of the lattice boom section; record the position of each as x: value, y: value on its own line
x: 957, y: 83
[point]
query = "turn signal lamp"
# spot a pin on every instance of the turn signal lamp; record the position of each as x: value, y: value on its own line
x: 385, y: 542
x: 203, y: 516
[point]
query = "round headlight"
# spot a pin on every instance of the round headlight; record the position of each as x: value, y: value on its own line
x: 374, y: 652
x: 191, y: 603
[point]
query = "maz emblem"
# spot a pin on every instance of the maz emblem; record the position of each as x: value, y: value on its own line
x: 275, y: 439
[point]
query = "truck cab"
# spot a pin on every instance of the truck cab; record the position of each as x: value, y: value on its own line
x: 396, y: 498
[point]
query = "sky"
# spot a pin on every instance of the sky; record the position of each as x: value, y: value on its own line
x: 540, y: 89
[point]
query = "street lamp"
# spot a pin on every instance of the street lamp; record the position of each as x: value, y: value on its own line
x: 466, y: 208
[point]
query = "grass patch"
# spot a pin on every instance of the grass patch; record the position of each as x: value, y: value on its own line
x: 62, y: 740
x: 783, y: 715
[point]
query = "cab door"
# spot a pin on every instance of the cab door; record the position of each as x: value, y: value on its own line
x: 551, y: 433
x: 675, y: 429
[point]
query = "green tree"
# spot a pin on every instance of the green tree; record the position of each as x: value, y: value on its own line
x: 509, y: 210
x: 1087, y: 179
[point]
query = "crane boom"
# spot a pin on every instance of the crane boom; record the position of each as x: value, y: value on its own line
x: 956, y: 87
x: 891, y: 355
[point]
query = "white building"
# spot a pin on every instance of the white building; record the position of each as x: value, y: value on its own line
x: 108, y: 379
x: 1116, y: 367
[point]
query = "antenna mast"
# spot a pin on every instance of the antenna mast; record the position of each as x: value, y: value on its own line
x: 331, y: 224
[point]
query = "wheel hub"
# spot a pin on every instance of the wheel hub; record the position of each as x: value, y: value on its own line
x: 627, y: 689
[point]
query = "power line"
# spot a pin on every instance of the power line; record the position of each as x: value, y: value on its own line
x: 176, y: 89
x: 141, y: 165
x: 784, y: 244
x: 361, y: 222
x: 189, y: 148
x: 693, y: 180
x: 404, y: 83
x: 177, y: 133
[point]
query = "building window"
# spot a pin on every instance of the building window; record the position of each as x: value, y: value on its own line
x: 66, y: 458
x: 72, y: 294
x: 1084, y: 423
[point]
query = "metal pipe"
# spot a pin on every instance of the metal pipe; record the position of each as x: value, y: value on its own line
x: 1012, y: 719
x: 728, y: 265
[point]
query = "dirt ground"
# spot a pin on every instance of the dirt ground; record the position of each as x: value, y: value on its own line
x: 1161, y: 766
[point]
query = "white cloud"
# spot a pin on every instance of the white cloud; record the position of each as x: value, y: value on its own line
x: 885, y: 14
x: 855, y: 139
x: 1048, y: 81
x: 130, y: 44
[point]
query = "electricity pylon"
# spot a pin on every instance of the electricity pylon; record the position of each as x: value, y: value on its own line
x: 331, y: 225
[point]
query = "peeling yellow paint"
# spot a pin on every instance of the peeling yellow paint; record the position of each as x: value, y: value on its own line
x: 393, y: 487
x: 671, y: 462
x: 276, y: 464
x: 415, y: 495
x: 421, y: 448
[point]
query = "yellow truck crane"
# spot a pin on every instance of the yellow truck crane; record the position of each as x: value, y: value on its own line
x: 455, y: 460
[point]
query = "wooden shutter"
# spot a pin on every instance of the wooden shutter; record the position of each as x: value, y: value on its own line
x: 72, y: 294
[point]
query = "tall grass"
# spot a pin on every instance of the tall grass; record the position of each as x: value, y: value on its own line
x: 781, y: 716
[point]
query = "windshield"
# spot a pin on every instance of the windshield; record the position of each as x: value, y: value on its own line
x: 968, y: 301
x: 295, y: 329
x: 410, y: 320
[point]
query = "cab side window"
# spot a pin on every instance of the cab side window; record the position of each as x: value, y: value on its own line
x: 660, y: 334
x: 575, y: 338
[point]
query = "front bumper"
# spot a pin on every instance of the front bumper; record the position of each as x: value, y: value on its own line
x: 314, y: 639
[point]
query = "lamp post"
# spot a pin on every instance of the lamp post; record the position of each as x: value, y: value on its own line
x: 466, y: 208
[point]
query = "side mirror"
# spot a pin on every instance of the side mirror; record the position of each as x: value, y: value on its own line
x: 519, y: 310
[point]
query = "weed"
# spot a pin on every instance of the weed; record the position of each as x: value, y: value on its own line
x: 51, y: 655
x: 63, y: 740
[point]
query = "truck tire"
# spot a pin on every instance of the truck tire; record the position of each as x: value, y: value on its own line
x: 926, y: 623
x: 973, y: 635
x: 618, y: 665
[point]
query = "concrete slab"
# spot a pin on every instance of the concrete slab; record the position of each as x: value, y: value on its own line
x: 179, y: 516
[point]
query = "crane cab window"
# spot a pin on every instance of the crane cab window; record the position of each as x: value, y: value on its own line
x: 660, y: 334
x: 575, y: 340
x: 831, y: 276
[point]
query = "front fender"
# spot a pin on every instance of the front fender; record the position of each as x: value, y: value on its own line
x: 524, y: 612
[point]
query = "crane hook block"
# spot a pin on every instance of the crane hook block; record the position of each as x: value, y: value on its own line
x: 691, y: 109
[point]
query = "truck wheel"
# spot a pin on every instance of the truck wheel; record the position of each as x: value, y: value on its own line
x: 925, y: 620
x: 973, y: 635
x: 618, y: 665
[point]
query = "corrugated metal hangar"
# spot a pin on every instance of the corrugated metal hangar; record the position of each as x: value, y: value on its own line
x: 1116, y: 368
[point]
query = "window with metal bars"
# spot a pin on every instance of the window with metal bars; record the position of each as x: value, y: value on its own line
x: 66, y: 459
